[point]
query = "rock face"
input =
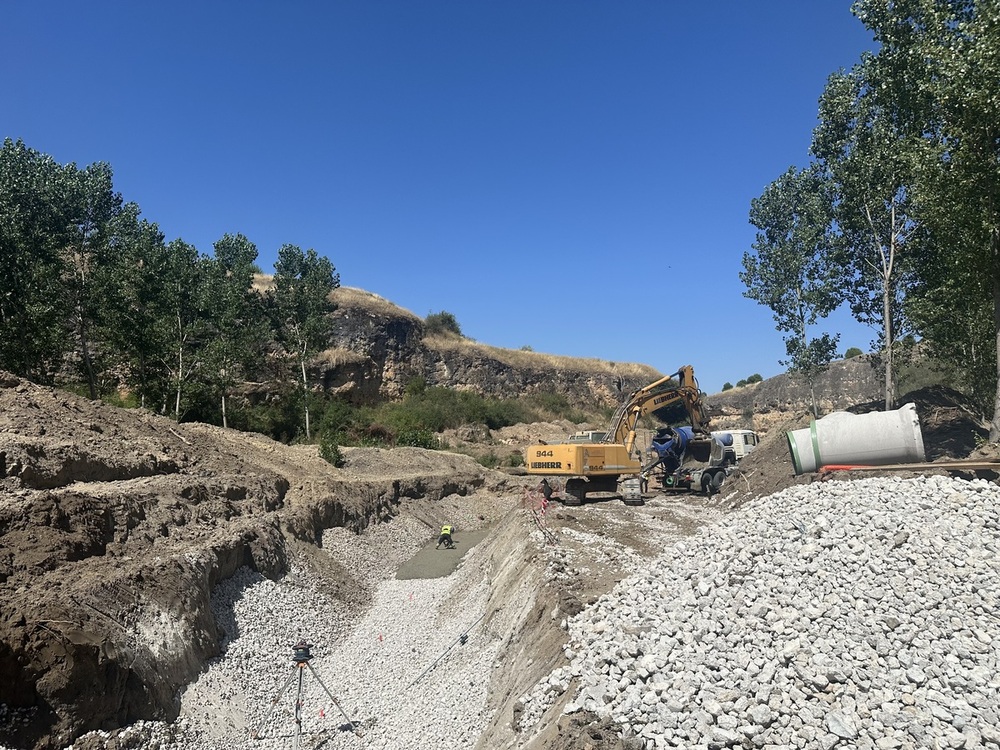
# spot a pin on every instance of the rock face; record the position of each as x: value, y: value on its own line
x: 760, y: 406
x: 377, y: 348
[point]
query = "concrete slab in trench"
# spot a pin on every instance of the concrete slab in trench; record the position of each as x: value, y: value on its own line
x: 437, y: 563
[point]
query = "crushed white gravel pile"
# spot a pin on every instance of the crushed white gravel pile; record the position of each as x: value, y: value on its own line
x: 861, y: 614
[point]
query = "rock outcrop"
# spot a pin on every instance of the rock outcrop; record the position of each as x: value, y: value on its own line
x: 377, y: 349
x: 761, y: 406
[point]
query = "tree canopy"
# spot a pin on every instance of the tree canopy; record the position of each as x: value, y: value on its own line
x: 906, y: 169
x: 93, y: 290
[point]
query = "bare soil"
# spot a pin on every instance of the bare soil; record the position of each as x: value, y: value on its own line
x: 115, y: 525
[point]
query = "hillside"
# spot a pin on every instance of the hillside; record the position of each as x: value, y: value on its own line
x: 377, y: 348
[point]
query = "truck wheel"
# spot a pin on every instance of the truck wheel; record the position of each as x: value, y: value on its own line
x: 718, y: 479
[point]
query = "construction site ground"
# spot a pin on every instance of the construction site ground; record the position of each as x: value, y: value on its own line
x: 115, y: 526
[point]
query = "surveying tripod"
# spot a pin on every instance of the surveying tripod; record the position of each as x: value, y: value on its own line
x: 300, y: 659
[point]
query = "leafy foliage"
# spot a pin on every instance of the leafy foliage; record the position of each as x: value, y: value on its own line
x: 301, y: 301
x: 35, y: 224
x: 330, y: 451
x: 938, y: 67
x: 794, y: 270
x: 442, y: 324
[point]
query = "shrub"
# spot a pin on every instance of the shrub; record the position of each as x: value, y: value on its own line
x: 853, y: 352
x: 491, y: 460
x: 417, y: 439
x: 727, y: 386
x: 329, y: 450
x: 442, y: 323
x: 377, y: 435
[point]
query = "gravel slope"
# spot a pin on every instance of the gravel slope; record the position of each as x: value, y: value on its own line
x: 858, y: 614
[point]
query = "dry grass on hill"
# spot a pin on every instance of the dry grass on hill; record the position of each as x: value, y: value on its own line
x: 352, y: 297
x: 348, y: 296
x: 528, y: 359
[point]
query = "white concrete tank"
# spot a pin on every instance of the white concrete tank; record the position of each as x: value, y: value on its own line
x: 873, y: 439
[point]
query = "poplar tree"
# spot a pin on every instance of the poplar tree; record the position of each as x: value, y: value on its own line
x: 35, y: 226
x: 865, y: 158
x: 793, y: 270
x: 303, y: 282
x: 939, y: 61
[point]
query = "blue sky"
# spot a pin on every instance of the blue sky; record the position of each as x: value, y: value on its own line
x: 571, y: 176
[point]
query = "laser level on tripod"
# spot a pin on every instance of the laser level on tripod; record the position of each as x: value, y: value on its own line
x: 301, y: 655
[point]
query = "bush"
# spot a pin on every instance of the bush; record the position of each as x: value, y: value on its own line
x: 377, y: 435
x: 329, y: 450
x: 418, y: 439
x: 491, y: 460
x: 853, y: 352
x: 442, y: 323
x: 727, y: 386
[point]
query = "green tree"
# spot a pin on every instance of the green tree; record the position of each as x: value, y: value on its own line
x: 35, y: 226
x: 236, y: 318
x: 727, y: 386
x: 939, y: 62
x: 94, y: 205
x: 853, y: 352
x: 131, y: 317
x: 303, y: 282
x: 442, y: 324
x: 186, y: 325
x: 793, y: 270
x: 864, y: 154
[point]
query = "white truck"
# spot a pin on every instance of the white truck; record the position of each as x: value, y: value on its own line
x: 742, y: 442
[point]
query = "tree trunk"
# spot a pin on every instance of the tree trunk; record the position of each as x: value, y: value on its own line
x: 225, y: 424
x: 180, y: 379
x: 889, y: 336
x: 180, y: 369
x: 305, y: 394
x: 995, y: 425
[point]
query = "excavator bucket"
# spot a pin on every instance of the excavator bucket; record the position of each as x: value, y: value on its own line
x: 701, y: 447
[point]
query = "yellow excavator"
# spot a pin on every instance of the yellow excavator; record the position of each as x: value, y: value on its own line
x: 613, y: 459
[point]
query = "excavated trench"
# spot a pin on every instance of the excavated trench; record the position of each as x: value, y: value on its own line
x: 107, y: 585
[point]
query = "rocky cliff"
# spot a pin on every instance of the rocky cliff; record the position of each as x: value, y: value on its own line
x: 377, y: 348
x: 760, y: 406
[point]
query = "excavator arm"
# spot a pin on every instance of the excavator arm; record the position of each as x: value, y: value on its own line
x: 665, y: 393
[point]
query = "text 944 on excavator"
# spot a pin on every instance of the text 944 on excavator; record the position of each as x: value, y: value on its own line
x: 613, y: 462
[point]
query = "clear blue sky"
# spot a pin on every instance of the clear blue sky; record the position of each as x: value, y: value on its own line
x: 573, y: 176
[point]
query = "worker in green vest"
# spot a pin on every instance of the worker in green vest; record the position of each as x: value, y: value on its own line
x: 445, y: 537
